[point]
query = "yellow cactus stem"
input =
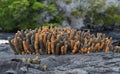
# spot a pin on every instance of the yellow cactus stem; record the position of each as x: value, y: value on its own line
x: 35, y: 60
x: 23, y: 60
x: 44, y: 67
x: 29, y: 60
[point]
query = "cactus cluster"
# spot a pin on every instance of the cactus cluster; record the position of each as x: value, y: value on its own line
x: 33, y: 61
x: 58, y: 41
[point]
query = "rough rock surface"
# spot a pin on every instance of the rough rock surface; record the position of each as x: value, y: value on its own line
x: 93, y: 63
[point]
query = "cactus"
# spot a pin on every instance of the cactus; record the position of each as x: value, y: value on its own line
x: 44, y: 67
x: 36, y: 60
x: 15, y: 41
x: 106, y: 48
x: 53, y: 46
x: 49, y: 47
x: 20, y: 44
x: 25, y: 46
x: 76, y: 48
x: 23, y: 60
x: 29, y: 60
x: 36, y: 44
x: 59, y: 41
x: 57, y: 49
x: 63, y: 49
x: 12, y: 45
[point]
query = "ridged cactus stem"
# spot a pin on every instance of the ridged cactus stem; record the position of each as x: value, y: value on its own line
x: 63, y: 50
x: 49, y: 47
x: 36, y: 43
x: 57, y: 50
x: 16, y: 45
x: 45, y: 39
x: 41, y: 44
x: 107, y: 49
x: 32, y: 42
x: 53, y: 47
x: 25, y: 46
x: 12, y: 45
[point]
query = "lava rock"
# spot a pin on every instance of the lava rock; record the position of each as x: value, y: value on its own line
x: 10, y: 72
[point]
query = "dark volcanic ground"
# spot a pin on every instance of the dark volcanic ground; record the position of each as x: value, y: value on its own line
x: 93, y: 63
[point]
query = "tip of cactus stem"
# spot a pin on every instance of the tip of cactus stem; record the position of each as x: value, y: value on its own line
x: 23, y: 60
x: 36, y: 60
x: 29, y: 60
x: 44, y: 67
